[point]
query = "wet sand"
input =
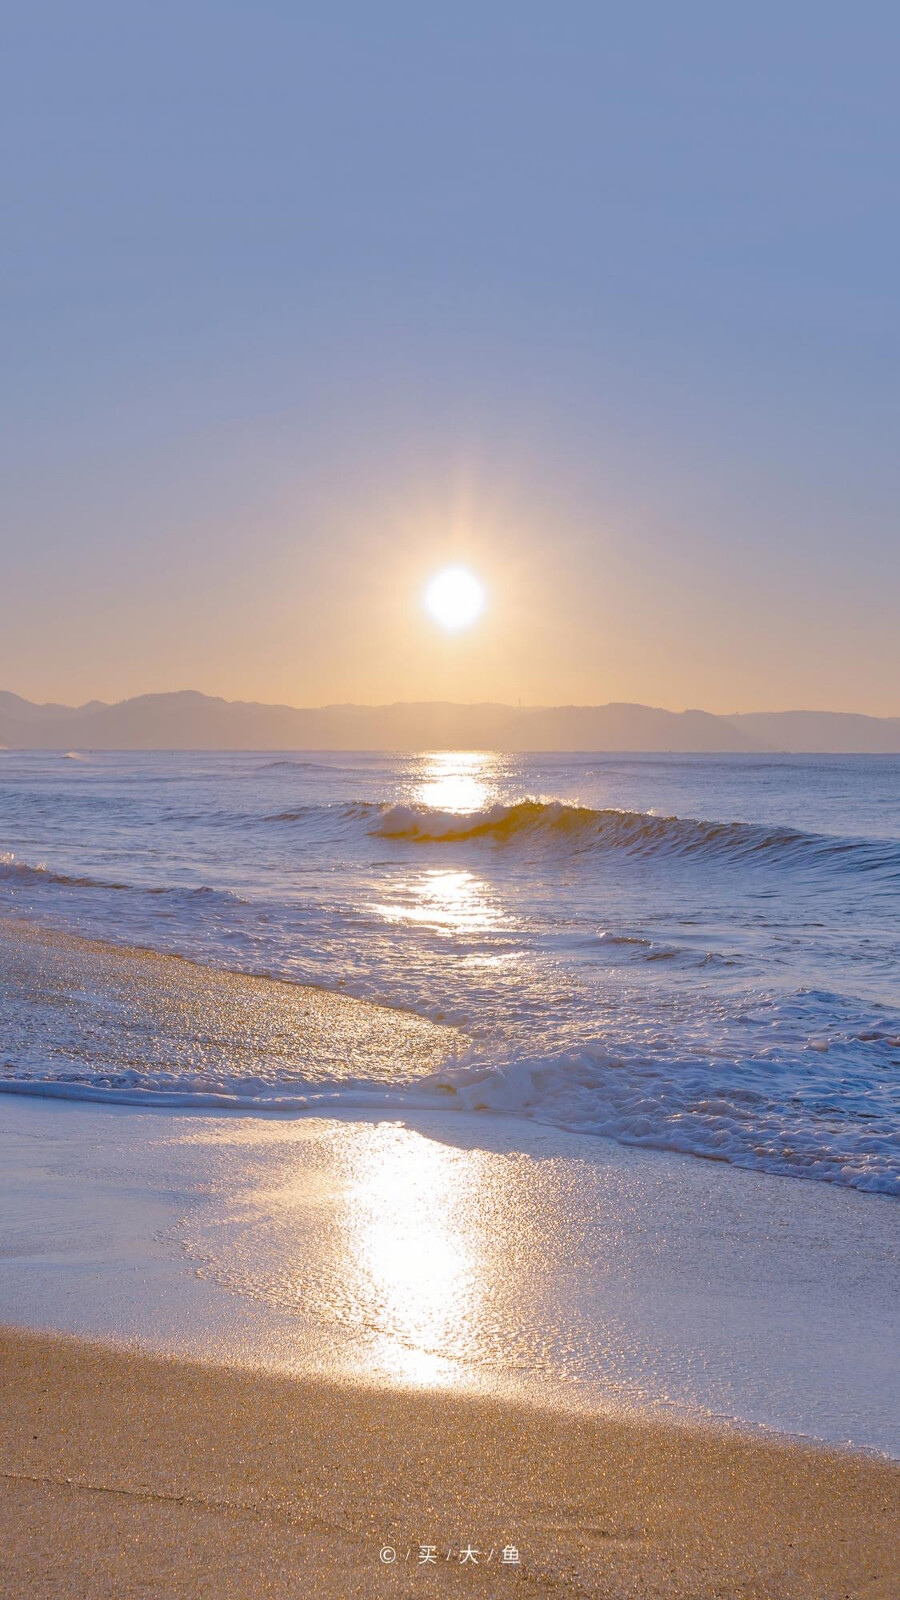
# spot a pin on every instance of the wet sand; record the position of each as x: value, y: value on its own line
x: 128, y: 1475
x: 117, y: 1018
x: 470, y: 1254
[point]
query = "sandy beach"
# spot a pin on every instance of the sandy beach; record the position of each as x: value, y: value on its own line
x: 126, y: 1475
x: 360, y: 1353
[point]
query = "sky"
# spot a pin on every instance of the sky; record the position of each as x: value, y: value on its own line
x: 302, y: 303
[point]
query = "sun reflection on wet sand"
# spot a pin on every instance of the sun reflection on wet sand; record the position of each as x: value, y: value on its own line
x: 419, y: 1272
x: 389, y: 1246
x: 528, y: 1262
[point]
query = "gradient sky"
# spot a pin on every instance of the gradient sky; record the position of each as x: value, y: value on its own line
x: 302, y: 301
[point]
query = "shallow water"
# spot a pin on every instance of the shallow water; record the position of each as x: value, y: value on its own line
x: 693, y: 953
x: 493, y: 1257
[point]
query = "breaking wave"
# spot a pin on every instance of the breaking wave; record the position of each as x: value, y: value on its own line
x: 16, y: 872
x: 19, y: 874
x: 638, y: 832
x: 744, y: 1120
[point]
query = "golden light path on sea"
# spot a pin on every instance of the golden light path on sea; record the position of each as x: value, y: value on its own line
x: 452, y: 900
x: 456, y: 780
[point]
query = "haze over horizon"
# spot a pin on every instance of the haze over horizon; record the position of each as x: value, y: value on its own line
x: 191, y: 721
x: 189, y: 691
x: 301, y: 306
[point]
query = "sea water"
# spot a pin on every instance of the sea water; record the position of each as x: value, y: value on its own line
x: 692, y: 953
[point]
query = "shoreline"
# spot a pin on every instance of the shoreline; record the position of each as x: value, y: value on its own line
x: 501, y: 1260
x: 178, y: 1478
x: 117, y: 1020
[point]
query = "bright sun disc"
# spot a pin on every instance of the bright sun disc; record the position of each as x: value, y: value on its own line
x: 455, y: 598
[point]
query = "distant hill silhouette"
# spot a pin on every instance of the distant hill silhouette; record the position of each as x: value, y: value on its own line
x: 834, y: 732
x: 191, y: 721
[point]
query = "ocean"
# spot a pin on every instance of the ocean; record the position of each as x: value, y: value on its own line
x: 690, y: 953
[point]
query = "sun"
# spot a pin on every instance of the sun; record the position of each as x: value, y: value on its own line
x: 455, y: 598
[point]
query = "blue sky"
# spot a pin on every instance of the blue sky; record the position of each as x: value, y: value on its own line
x: 300, y: 302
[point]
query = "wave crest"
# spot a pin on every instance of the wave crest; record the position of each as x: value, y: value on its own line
x: 20, y: 873
x: 638, y: 832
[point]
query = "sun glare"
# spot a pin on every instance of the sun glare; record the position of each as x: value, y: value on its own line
x: 455, y: 598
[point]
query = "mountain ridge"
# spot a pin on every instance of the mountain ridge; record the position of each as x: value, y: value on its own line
x: 188, y: 720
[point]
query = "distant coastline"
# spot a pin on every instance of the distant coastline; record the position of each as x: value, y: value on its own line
x: 187, y: 720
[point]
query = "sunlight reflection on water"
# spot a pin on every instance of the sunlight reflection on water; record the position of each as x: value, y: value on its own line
x: 450, y: 900
x: 458, y: 780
